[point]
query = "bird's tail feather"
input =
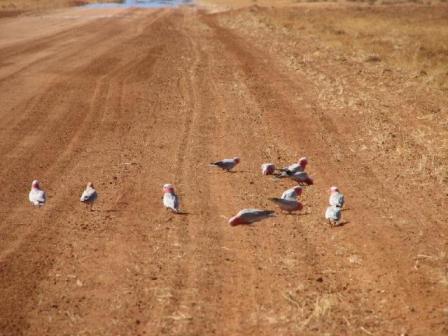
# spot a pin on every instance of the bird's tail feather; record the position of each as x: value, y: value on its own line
x: 270, y: 213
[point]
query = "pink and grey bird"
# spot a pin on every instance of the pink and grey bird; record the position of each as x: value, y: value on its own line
x: 333, y: 215
x: 301, y: 178
x: 170, y: 199
x: 288, y: 205
x: 336, y: 197
x: 249, y: 216
x: 267, y: 168
x: 292, y: 193
x: 226, y: 164
x: 89, y: 195
x: 37, y: 196
x: 294, y: 168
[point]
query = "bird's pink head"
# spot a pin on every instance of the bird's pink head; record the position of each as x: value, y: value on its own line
x: 236, y: 220
x: 298, y: 190
x: 303, y: 161
x: 89, y: 185
x: 168, y: 188
x: 334, y: 189
x: 35, y: 184
x: 236, y: 159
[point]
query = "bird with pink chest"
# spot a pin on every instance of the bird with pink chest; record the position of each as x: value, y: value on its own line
x: 226, y: 164
x: 336, y: 197
x: 249, y: 216
x: 292, y: 193
x: 170, y: 198
x: 37, y: 196
x: 267, y: 168
x: 295, y: 167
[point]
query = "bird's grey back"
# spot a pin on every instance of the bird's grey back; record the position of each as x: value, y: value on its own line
x: 89, y: 195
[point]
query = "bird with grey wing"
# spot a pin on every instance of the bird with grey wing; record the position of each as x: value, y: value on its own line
x: 301, y: 178
x: 288, y: 205
x: 294, y: 168
x: 292, y: 193
x: 249, y: 216
x: 37, y: 196
x: 89, y: 196
x: 267, y: 168
x: 336, y: 197
x: 333, y: 215
x: 226, y: 164
x: 170, y: 198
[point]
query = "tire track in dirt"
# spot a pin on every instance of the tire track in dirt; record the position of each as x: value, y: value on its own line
x: 47, y: 42
x: 262, y: 256
x: 36, y: 242
x: 376, y: 252
x: 131, y: 291
x: 61, y: 64
x: 190, y: 310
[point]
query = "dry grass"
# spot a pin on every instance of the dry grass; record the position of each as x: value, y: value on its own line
x: 418, y: 47
x: 375, y: 35
x: 24, y: 5
x: 366, y: 59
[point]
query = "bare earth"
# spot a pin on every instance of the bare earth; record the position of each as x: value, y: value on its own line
x: 132, y: 99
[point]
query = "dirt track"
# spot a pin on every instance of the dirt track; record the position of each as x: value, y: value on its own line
x: 133, y: 99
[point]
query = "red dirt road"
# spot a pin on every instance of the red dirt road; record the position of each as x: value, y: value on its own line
x: 133, y: 99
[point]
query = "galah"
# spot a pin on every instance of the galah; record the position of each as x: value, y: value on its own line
x: 37, y: 196
x: 226, y: 164
x: 301, y: 178
x: 248, y: 216
x: 288, y: 205
x: 292, y: 193
x: 336, y: 197
x: 267, y: 168
x: 170, y: 199
x: 294, y: 168
x: 333, y: 215
x: 89, y: 195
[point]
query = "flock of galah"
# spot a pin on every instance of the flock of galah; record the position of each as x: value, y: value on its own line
x: 287, y: 202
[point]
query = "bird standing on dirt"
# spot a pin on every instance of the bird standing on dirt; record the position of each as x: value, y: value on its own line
x: 292, y: 193
x: 226, y: 164
x: 301, y: 178
x: 267, y: 168
x: 333, y: 215
x: 249, y: 216
x: 336, y: 197
x: 288, y: 205
x: 89, y: 195
x: 170, y: 199
x: 294, y: 168
x: 37, y: 196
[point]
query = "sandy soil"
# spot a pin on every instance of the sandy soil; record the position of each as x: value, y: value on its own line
x: 132, y: 99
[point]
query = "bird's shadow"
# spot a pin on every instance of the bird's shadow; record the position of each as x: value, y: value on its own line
x: 241, y: 171
x: 297, y: 214
x: 183, y: 213
x: 341, y: 224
